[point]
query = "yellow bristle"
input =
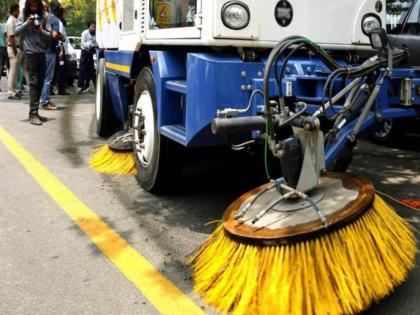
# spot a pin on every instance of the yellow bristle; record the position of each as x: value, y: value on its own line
x: 104, y: 160
x: 341, y: 272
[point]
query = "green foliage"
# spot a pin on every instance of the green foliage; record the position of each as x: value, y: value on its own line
x: 78, y: 13
x: 4, y: 9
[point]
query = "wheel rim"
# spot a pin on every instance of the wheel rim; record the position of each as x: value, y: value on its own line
x: 144, y: 128
x: 385, y: 129
x: 99, y: 94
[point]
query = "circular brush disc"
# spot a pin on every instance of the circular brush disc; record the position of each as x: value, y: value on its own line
x: 122, y: 141
x: 340, y: 198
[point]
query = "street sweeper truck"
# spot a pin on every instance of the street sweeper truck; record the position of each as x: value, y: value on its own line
x: 167, y: 69
x: 301, y: 79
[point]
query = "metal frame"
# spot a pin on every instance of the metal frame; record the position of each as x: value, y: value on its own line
x: 192, y: 87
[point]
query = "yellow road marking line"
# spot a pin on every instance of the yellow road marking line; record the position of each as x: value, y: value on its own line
x: 162, y: 293
x: 117, y: 67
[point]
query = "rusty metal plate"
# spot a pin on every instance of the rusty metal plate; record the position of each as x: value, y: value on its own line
x: 340, y: 196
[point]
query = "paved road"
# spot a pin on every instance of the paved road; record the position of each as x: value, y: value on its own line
x: 48, y: 265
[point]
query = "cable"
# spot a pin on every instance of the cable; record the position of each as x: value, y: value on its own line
x: 273, y: 57
x: 396, y: 200
x: 291, y: 118
x: 267, y: 172
x: 236, y: 111
x: 283, y: 67
x: 364, y: 69
x: 239, y: 146
x: 405, y: 22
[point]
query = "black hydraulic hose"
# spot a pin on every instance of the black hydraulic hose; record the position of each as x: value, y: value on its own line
x: 365, y: 69
x: 277, y: 51
x: 291, y: 118
x: 276, y: 75
x: 273, y: 58
x: 283, y: 67
x: 330, y: 84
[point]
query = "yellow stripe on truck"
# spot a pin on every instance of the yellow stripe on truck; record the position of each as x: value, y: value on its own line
x: 117, y: 67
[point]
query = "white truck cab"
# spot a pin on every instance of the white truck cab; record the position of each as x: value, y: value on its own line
x: 168, y: 68
x: 128, y: 24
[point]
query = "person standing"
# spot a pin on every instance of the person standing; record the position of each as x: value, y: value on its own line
x: 63, y: 52
x: 3, y: 48
x: 54, y: 25
x: 34, y: 39
x: 87, y: 66
x: 14, y: 52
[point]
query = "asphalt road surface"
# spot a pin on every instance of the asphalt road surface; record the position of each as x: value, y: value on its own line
x: 49, y: 266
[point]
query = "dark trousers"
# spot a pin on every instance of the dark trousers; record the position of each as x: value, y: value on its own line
x: 3, y: 59
x: 87, y: 69
x: 61, y: 76
x: 35, y: 64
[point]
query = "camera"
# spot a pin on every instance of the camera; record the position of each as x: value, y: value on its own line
x: 37, y: 20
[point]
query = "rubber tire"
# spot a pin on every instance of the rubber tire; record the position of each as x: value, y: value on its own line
x: 394, y: 134
x: 165, y: 168
x: 107, y: 122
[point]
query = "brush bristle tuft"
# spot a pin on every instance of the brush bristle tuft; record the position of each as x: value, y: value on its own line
x: 341, y: 272
x: 104, y: 160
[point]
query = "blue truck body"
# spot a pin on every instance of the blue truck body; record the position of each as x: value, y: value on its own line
x: 192, y: 86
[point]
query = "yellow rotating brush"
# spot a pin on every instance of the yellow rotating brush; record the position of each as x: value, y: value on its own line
x: 336, y: 252
x: 116, y: 157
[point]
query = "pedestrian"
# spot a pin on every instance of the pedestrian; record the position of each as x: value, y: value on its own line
x: 3, y: 48
x: 14, y: 52
x: 87, y: 66
x: 62, y: 55
x: 31, y: 26
x: 54, y: 25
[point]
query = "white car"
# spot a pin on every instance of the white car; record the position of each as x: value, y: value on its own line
x: 75, y: 47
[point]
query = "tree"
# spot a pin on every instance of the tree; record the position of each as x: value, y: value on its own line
x: 4, y: 9
x: 78, y: 13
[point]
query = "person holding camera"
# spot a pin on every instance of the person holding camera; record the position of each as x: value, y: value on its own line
x: 87, y: 66
x: 31, y: 26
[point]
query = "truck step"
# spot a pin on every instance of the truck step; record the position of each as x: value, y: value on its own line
x: 175, y: 132
x: 179, y: 86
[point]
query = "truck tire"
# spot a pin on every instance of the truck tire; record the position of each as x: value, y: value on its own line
x: 158, y: 159
x: 106, y: 121
x: 389, y: 132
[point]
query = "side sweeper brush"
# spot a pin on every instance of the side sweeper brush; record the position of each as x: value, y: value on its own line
x: 116, y: 157
x: 334, y: 251
x: 310, y: 242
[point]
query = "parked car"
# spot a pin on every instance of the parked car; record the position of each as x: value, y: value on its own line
x: 75, y: 44
x: 72, y: 64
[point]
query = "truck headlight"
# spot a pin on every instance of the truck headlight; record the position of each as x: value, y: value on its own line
x: 235, y: 15
x: 370, y: 22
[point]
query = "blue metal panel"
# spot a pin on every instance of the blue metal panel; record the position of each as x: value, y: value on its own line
x: 215, y: 81
x: 118, y: 93
x: 119, y: 62
x: 179, y: 86
x: 168, y: 66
